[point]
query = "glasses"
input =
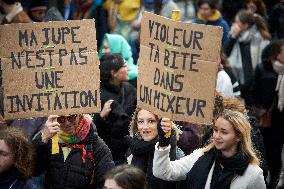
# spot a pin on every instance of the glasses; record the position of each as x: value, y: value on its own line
x: 71, y: 119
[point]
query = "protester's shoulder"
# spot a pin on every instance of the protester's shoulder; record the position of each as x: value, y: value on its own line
x: 128, y: 86
x: 27, y: 184
x: 197, y: 21
x: 197, y: 153
x: 253, y: 169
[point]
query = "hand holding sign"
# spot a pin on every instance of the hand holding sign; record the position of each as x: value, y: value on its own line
x: 51, y: 127
x: 164, y: 131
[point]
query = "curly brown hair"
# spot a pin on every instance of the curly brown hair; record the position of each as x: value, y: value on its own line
x: 21, y: 148
x: 133, y: 124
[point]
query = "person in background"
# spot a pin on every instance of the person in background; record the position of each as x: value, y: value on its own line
x: 276, y: 21
x: 83, y: 158
x: 118, y: 102
x: 13, y: 12
x: 230, y: 8
x: 115, y: 43
x: 190, y: 138
x: 229, y: 161
x: 37, y: 10
x: 224, y: 84
x: 266, y: 97
x: 121, y: 14
x: 208, y: 14
x: 144, y: 129
x: 125, y: 177
x: 256, y: 6
x: 228, y: 69
x: 16, y: 159
x: 248, y: 36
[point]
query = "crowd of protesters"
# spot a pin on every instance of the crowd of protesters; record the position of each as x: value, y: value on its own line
x: 125, y: 147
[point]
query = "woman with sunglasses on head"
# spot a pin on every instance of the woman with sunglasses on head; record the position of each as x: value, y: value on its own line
x: 83, y: 157
x: 118, y: 102
x: 229, y: 161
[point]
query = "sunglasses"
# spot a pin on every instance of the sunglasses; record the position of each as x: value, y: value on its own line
x: 71, y: 119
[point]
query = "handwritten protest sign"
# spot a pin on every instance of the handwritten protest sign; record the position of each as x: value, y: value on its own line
x: 178, y: 68
x: 49, y: 68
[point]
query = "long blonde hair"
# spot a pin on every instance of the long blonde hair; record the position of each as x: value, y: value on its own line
x: 242, y: 128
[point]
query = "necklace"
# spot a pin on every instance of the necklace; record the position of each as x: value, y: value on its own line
x: 13, y: 183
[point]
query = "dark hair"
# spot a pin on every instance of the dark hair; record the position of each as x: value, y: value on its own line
x: 212, y: 3
x: 247, y: 17
x: 259, y: 5
x: 11, y: 2
x: 110, y: 62
x: 270, y: 52
x: 21, y: 149
x: 127, y: 177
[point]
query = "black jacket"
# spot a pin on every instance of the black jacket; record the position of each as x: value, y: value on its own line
x: 246, y: 87
x: 143, y: 155
x: 276, y: 21
x: 113, y: 129
x: 73, y: 173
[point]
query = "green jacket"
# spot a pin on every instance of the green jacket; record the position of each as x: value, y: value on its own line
x: 118, y: 44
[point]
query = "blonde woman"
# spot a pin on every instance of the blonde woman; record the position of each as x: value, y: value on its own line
x: 227, y: 162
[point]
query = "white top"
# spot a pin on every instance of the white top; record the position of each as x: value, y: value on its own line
x: 176, y: 170
x: 224, y: 84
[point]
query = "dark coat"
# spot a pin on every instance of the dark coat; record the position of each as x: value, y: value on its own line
x: 143, y: 155
x: 115, y: 127
x: 246, y: 87
x: 73, y: 173
x: 219, y: 22
x: 265, y: 95
x: 10, y: 179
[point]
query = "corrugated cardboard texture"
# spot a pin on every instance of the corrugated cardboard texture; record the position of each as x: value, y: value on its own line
x: 71, y: 65
x: 177, y: 78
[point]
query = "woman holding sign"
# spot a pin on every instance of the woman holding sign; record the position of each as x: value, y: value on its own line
x: 82, y: 158
x: 227, y: 162
x: 144, y: 129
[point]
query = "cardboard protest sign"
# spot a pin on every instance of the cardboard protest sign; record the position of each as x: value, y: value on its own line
x: 178, y: 68
x: 50, y: 68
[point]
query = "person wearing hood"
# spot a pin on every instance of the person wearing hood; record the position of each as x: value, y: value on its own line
x: 208, y: 14
x: 115, y: 43
x: 118, y: 102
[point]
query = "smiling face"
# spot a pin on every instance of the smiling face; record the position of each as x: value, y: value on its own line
x: 147, y: 125
x: 225, y: 138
